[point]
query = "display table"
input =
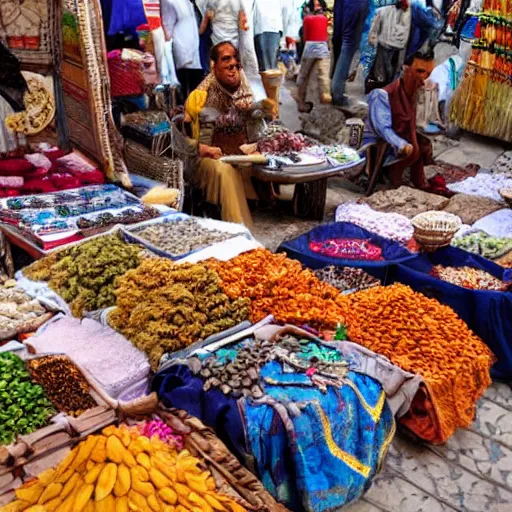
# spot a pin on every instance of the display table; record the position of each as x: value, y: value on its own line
x: 310, y: 183
x: 16, y: 238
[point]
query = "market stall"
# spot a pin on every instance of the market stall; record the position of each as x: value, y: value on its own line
x: 477, y: 289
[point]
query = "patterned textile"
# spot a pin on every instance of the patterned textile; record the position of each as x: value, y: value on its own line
x: 346, y: 248
x: 336, y: 439
x: 221, y: 99
x: 315, y: 431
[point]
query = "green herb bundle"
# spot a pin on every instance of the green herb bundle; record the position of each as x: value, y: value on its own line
x: 24, y: 406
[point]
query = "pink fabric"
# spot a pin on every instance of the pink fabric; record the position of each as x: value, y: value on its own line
x: 11, y: 182
x: 39, y: 160
x: 76, y: 163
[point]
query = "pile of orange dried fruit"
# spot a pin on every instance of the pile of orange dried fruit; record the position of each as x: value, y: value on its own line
x: 279, y: 286
x: 422, y: 336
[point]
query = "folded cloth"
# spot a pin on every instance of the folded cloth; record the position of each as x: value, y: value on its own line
x: 39, y: 160
x: 11, y: 181
x: 14, y: 167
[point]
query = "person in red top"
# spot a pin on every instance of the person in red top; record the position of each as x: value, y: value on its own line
x: 316, y: 55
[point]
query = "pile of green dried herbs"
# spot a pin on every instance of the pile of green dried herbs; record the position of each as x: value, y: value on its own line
x: 24, y: 406
x: 84, y: 275
x: 164, y: 307
x: 65, y: 385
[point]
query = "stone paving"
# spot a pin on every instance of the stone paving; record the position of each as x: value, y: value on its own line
x: 473, y: 471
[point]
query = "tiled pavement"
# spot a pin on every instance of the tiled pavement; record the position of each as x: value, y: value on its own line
x: 471, y: 473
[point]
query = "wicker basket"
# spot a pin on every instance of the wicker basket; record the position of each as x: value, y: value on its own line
x: 506, y: 193
x: 434, y: 229
x: 159, y: 168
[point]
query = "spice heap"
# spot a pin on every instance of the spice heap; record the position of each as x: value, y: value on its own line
x: 19, y: 313
x: 84, y: 275
x: 481, y: 243
x: 63, y: 382
x: 24, y: 406
x: 348, y: 249
x: 164, y: 307
x: 467, y: 277
x: 422, y: 336
x: 505, y: 261
x: 122, y: 470
x: 388, y: 225
x: 279, y: 286
x: 181, y: 236
x: 346, y: 279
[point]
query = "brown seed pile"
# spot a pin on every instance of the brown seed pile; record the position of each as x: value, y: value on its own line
x: 63, y: 382
x: 346, y: 278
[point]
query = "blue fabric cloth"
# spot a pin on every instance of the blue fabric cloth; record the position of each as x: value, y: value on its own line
x: 487, y: 313
x: 379, y: 123
x: 313, y: 450
x: 298, y: 248
x: 348, y: 24
x: 123, y: 16
x: 334, y: 444
x: 424, y: 25
x: 178, y: 387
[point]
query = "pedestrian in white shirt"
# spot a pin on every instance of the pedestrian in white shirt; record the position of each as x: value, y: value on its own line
x: 270, y: 20
x: 180, y: 25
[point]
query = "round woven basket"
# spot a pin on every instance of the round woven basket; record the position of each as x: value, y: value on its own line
x: 506, y: 193
x: 433, y: 229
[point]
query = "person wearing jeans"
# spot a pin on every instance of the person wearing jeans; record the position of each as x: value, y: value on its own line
x: 349, y: 19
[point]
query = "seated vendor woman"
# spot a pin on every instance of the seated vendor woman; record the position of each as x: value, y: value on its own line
x: 392, y: 119
x: 218, y: 113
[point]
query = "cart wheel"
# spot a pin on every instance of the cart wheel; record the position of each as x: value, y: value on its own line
x: 309, y: 199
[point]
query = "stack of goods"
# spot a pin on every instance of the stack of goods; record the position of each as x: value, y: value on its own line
x: 19, y: 313
x: 392, y: 226
x: 85, y: 275
x: 471, y: 278
x: 505, y: 261
x: 471, y: 208
x: 405, y: 201
x: 348, y: 249
x: 421, y: 336
x: 279, y: 286
x: 282, y: 142
x: 130, y: 72
x: 256, y: 385
x: 180, y: 237
x: 53, y: 219
x: 24, y: 405
x: 120, y: 469
x: 483, y: 184
x: 90, y: 346
x: 503, y: 163
x: 481, y: 243
x: 482, y: 102
x: 451, y: 173
x: 47, y: 171
x: 148, y: 123
x: 164, y: 307
x: 346, y: 279
x: 64, y: 383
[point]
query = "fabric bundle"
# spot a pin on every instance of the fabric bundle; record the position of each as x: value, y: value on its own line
x: 483, y: 184
x: 388, y: 225
x: 89, y: 346
x: 316, y: 430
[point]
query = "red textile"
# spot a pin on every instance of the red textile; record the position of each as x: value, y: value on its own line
x: 315, y: 28
x: 347, y: 248
x: 9, y: 192
x: 15, y: 167
x: 38, y: 186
